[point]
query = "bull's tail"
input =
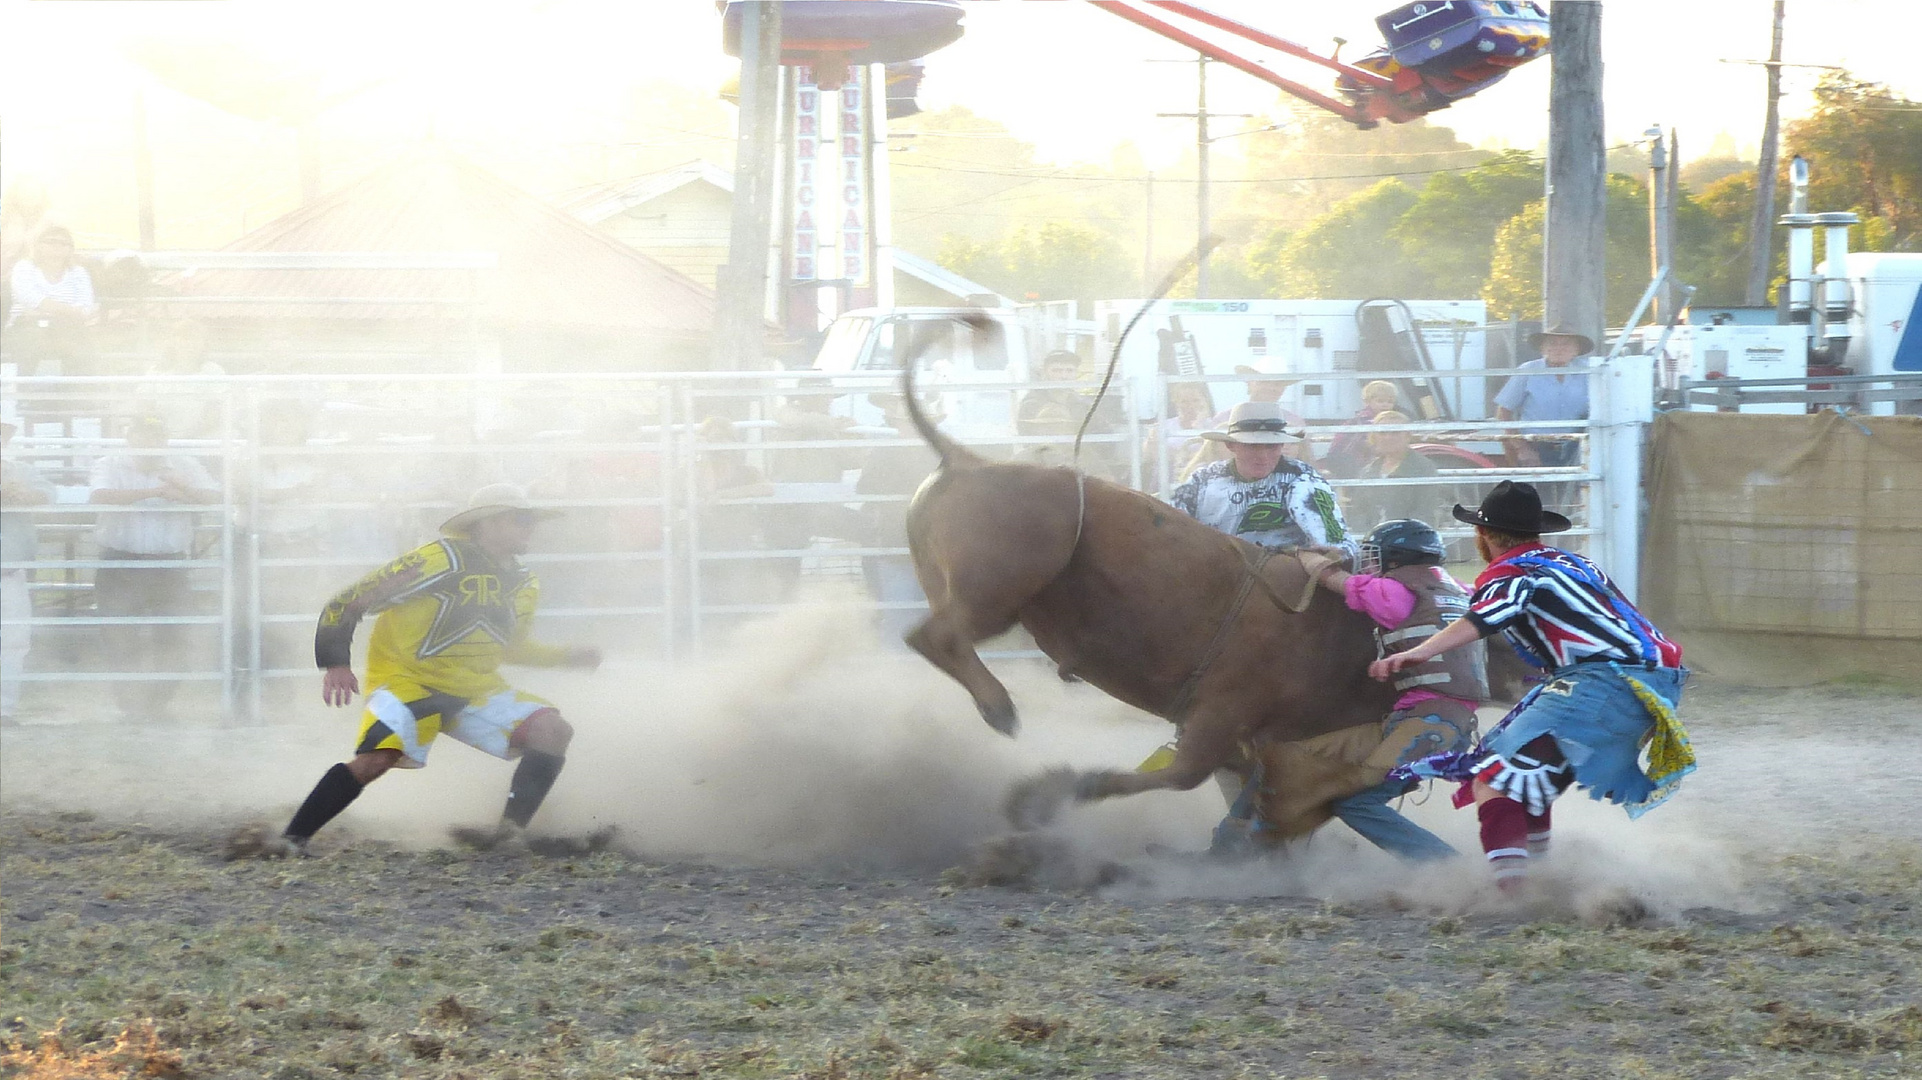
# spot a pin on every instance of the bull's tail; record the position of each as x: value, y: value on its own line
x: 952, y: 453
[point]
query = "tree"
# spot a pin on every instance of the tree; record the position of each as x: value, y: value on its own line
x: 1056, y: 261
x: 1514, y: 285
x: 1864, y: 146
x: 1711, y: 237
x: 1351, y: 251
x: 1449, y: 234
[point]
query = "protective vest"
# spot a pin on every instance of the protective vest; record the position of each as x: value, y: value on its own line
x: 1439, y: 601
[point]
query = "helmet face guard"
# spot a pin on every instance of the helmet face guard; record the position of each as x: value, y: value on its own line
x: 1369, y: 561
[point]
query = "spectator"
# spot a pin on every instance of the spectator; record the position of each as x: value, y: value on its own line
x: 1178, y: 438
x: 20, y: 485
x: 190, y: 410
x: 1552, y: 388
x: 1349, y: 451
x: 156, y: 483
x: 1395, y: 458
x: 1055, y: 411
x: 52, y: 307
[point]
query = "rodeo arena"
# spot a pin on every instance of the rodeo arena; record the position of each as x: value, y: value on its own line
x: 881, y: 672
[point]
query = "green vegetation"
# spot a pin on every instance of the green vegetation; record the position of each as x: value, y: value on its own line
x: 1319, y: 209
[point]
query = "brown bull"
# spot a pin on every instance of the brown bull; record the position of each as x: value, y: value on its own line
x: 1151, y: 606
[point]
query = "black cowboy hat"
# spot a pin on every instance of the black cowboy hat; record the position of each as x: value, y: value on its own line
x: 1514, y: 508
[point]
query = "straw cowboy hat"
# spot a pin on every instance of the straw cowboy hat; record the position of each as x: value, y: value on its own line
x: 492, y: 500
x: 1513, y: 508
x: 1562, y: 330
x: 1254, y: 422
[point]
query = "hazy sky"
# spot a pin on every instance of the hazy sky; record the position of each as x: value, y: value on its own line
x: 1067, y: 76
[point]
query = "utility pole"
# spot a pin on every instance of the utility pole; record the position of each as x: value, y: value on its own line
x: 142, y: 170
x: 1201, y: 176
x: 742, y: 283
x: 1660, y: 240
x: 1574, y: 288
x: 1148, y: 237
x: 1761, y: 229
x: 1203, y: 228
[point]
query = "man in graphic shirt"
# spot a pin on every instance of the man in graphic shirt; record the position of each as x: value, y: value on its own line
x: 1612, y: 686
x: 1259, y: 495
x: 1272, y: 501
x: 449, y: 614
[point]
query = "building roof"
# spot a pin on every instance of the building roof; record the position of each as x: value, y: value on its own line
x: 553, y: 270
x: 603, y: 201
x: 944, y: 279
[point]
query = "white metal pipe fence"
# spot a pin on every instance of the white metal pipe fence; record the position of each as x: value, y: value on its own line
x: 694, y: 502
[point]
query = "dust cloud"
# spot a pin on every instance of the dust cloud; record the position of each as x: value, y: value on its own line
x: 805, y: 741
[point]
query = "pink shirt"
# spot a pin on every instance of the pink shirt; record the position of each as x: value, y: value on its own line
x: 1389, y: 602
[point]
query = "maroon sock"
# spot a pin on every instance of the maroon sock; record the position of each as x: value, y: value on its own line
x: 1505, y: 839
x: 1538, y: 831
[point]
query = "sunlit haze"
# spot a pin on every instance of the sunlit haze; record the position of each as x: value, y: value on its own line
x: 553, y: 93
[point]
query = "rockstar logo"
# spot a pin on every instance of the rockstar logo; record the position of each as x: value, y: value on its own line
x: 468, y: 601
x: 1564, y: 687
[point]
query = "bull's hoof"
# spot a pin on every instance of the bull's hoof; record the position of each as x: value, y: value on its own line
x: 1037, y: 801
x: 1002, y: 719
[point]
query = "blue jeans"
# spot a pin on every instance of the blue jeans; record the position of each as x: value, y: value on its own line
x: 1368, y: 813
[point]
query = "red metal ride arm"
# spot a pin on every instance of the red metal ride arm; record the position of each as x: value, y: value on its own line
x: 1262, y: 37
x: 1375, y: 107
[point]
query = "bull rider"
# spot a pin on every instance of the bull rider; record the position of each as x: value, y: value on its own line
x: 1612, y: 686
x: 1401, y: 585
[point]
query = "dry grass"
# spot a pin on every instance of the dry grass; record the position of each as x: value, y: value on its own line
x: 143, y: 950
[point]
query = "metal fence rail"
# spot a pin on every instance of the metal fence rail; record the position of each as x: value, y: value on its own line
x: 694, y: 502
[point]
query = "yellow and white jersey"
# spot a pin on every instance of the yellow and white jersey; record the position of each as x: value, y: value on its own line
x: 449, y: 616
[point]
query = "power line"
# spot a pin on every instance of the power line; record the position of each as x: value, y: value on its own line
x: 1190, y: 180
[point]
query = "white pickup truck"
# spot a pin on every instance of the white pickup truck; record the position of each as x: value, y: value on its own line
x: 1004, y: 346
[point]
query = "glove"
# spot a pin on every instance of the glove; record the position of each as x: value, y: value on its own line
x: 1316, y: 563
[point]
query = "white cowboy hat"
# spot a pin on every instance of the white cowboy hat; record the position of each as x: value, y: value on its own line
x: 1254, y: 422
x: 491, y: 500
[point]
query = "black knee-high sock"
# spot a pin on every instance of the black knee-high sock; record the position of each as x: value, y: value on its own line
x: 335, y: 791
x: 533, y: 777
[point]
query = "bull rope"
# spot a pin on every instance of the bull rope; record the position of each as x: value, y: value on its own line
x: 1174, y: 274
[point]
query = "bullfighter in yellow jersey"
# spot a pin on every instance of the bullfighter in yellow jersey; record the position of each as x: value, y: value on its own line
x: 449, y: 614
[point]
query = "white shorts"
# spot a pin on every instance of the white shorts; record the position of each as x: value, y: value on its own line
x: 484, y: 725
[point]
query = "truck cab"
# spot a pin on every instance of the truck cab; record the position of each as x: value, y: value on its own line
x: 991, y: 349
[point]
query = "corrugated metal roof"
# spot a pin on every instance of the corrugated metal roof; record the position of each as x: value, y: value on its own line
x: 554, y: 270
x: 603, y: 201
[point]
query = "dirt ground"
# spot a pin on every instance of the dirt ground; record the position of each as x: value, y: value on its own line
x: 785, y: 902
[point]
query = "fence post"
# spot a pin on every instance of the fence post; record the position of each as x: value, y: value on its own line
x: 1622, y: 408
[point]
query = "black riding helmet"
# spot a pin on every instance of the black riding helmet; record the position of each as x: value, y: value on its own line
x: 1403, y: 542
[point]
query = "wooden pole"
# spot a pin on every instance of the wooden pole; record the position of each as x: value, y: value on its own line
x: 142, y: 171
x: 1202, y: 224
x: 1148, y: 238
x: 1574, y: 288
x: 1761, y: 229
x: 1659, y: 240
x: 742, y: 282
